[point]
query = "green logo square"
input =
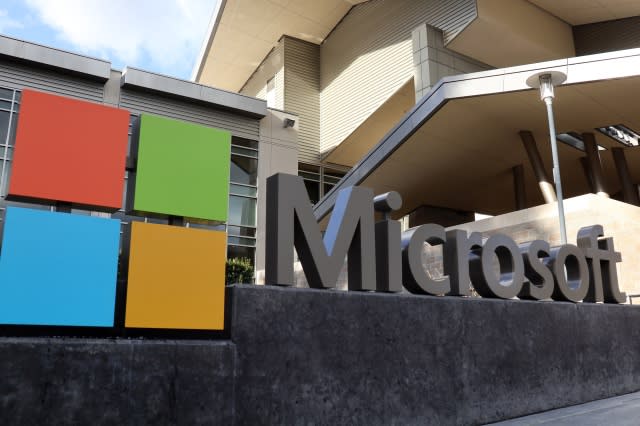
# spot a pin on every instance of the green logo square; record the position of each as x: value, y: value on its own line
x: 182, y: 170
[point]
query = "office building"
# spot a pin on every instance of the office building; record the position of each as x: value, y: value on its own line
x: 430, y: 98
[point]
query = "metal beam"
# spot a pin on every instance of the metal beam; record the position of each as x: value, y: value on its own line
x: 629, y: 190
x: 548, y: 193
x: 518, y: 187
x: 594, y: 164
x: 587, y: 173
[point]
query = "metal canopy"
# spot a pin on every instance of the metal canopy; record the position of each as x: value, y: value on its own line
x: 458, y: 146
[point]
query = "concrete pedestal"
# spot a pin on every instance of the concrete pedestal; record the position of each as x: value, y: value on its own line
x: 300, y: 356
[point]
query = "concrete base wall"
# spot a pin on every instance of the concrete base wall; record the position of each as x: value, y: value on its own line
x: 335, y: 357
x: 300, y: 356
x: 66, y: 381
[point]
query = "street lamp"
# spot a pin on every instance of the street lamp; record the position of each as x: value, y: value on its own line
x: 545, y: 81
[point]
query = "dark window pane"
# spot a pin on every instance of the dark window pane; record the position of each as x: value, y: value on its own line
x: 327, y: 188
x: 241, y: 231
x: 242, y: 211
x: 243, y: 190
x: 236, y: 252
x: 313, y: 189
x: 5, y: 178
x: 244, y: 151
x: 310, y: 176
x: 4, y: 125
x: 14, y: 126
x: 205, y: 225
x: 6, y: 94
x: 308, y: 168
x: 242, y: 241
x: 248, y: 143
x: 244, y: 170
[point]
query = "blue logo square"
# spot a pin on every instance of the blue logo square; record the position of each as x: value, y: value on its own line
x: 58, y: 269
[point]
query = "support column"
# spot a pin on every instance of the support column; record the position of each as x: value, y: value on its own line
x: 587, y: 174
x: 518, y: 187
x: 629, y: 190
x: 548, y: 193
x: 594, y: 164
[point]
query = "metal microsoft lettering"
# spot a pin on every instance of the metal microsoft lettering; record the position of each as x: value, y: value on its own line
x: 382, y: 258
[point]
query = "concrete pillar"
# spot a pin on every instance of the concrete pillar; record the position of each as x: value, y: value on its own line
x: 518, y: 187
x: 594, y: 165
x: 548, y: 193
x: 432, y: 60
x: 629, y: 190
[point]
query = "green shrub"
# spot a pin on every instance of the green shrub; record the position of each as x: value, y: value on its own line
x: 239, y: 271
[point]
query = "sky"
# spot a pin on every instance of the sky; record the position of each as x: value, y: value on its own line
x: 163, y: 36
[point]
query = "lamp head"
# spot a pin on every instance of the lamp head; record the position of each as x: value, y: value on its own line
x: 545, y: 81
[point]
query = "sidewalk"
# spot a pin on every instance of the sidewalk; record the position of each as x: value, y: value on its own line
x: 618, y: 411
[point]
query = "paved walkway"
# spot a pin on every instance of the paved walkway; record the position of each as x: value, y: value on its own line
x: 618, y: 411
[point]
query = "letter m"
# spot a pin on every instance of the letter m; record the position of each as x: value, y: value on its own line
x: 290, y: 221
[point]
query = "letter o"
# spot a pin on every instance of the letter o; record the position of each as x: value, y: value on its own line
x: 573, y: 286
x: 508, y: 283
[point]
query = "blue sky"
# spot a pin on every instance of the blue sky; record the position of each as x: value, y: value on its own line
x: 163, y: 36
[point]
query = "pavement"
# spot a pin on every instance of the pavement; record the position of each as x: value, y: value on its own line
x: 618, y: 411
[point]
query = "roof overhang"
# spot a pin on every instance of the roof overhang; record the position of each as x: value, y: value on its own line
x: 243, y: 32
x: 508, y: 33
x: 133, y: 78
x: 579, y: 12
x: 457, y: 147
x: 44, y: 56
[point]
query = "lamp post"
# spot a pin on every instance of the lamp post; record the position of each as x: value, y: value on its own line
x: 545, y: 81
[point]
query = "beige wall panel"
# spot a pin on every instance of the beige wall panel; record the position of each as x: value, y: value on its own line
x: 272, y: 66
x: 368, y: 57
x: 301, y: 94
x: 278, y: 154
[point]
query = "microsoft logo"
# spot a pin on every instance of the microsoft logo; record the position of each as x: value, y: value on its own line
x: 62, y: 268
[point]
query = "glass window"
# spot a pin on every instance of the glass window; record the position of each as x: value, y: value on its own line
x: 311, y: 176
x: 247, y: 143
x: 235, y: 252
x: 242, y: 211
x: 241, y: 231
x: 6, y: 170
x: 313, y: 190
x: 14, y: 125
x: 6, y: 94
x: 242, y: 241
x: 4, y: 125
x: 271, y: 93
x: 244, y: 151
x: 247, y: 191
x: 318, y: 180
x: 244, y: 170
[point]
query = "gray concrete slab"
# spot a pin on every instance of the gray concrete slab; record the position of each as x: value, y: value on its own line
x: 617, y: 411
x: 374, y: 359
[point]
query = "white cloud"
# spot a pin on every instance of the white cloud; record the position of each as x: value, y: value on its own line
x: 6, y: 22
x: 165, y: 35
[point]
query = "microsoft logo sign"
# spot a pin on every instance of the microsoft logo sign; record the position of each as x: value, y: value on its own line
x: 61, y: 268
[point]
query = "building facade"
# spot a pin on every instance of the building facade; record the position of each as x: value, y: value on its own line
x: 429, y: 98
